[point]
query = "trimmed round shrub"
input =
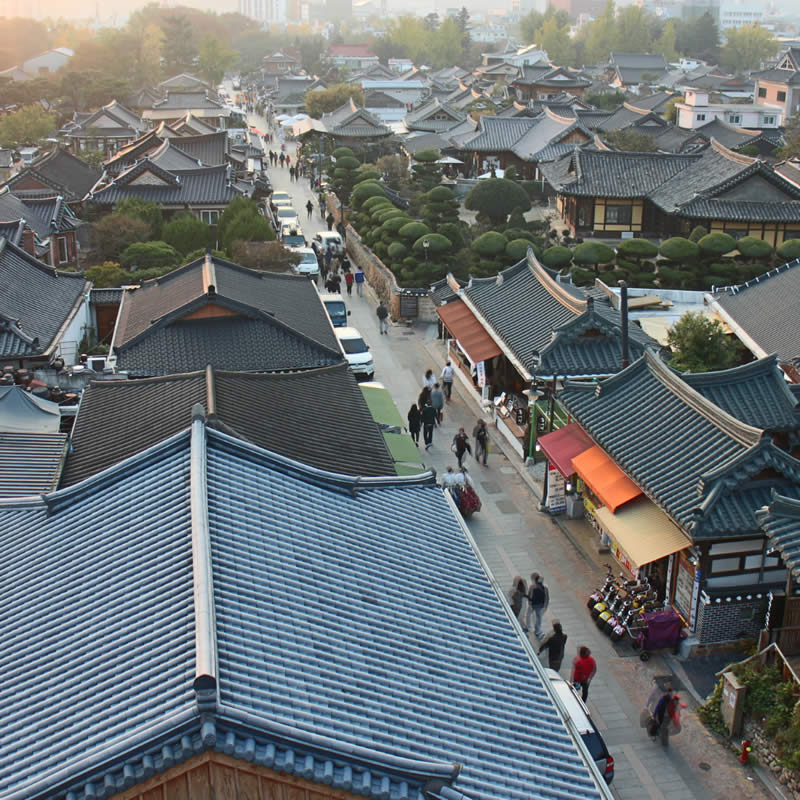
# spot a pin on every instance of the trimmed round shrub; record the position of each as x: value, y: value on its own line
x: 697, y: 234
x: 440, y: 194
x: 789, y: 249
x: 413, y: 230
x: 581, y: 276
x: 436, y: 244
x: 348, y: 163
x: 371, y: 203
x: 363, y: 191
x: 410, y: 262
x: 367, y: 175
x: 388, y: 213
x: 679, y: 249
x: 637, y: 248
x: 380, y: 249
x: 592, y: 253
x: 452, y: 231
x: 148, y: 255
x: 556, y: 256
x: 752, y: 247
x: 490, y: 244
x: 427, y: 156
x: 397, y: 251
x: 393, y: 224
x: 517, y: 249
x: 716, y: 244
x: 496, y: 198
x: 341, y: 152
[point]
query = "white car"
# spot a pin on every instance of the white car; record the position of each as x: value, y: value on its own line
x: 293, y: 238
x: 286, y: 216
x: 275, y: 196
x: 356, y: 351
x: 325, y: 239
x: 308, y: 262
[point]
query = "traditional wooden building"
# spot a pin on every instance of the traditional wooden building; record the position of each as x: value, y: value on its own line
x: 609, y: 193
x: 543, y: 81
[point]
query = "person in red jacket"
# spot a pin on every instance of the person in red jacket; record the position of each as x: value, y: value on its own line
x: 584, y: 668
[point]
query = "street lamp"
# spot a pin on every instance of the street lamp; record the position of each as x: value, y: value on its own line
x: 425, y: 245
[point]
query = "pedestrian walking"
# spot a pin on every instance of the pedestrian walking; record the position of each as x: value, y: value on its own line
x: 328, y: 258
x: 348, y: 282
x: 461, y: 446
x: 554, y: 643
x: 282, y: 160
x: 662, y: 717
x: 437, y: 401
x: 429, y: 380
x: 346, y: 265
x: 518, y: 594
x: 480, y: 434
x: 359, y: 278
x: 428, y: 421
x: 424, y: 396
x: 291, y: 173
x: 447, y: 380
x: 383, y: 318
x: 309, y: 208
x: 584, y: 668
x: 330, y: 219
x: 538, y: 600
x: 414, y: 423
x: 323, y: 270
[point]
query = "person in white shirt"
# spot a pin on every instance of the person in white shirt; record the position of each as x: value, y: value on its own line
x: 447, y: 380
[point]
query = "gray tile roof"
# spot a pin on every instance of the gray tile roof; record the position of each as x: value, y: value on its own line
x: 549, y: 130
x: 644, y: 61
x: 199, y: 186
x: 12, y: 230
x: 351, y: 120
x: 755, y: 393
x: 497, y: 134
x: 39, y: 297
x: 341, y: 657
x: 30, y: 463
x: 111, y: 296
x: 188, y: 101
x: 779, y: 518
x: 211, y: 148
x: 170, y: 157
x: 59, y: 171
x: 655, y: 102
x: 254, y: 407
x: 531, y: 310
x: 421, y: 118
x: 766, y: 310
x: 253, y: 343
x: 688, y: 455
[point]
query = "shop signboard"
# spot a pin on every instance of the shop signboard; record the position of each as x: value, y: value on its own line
x: 556, y: 491
x: 684, y: 587
x: 480, y: 369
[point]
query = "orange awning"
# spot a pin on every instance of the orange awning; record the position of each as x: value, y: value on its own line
x: 471, y: 335
x: 605, y: 478
x: 564, y: 444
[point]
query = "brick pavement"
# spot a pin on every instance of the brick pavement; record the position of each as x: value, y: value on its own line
x: 514, y: 539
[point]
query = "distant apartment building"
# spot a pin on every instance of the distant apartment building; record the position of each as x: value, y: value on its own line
x: 696, y: 111
x: 267, y: 12
x: 735, y: 13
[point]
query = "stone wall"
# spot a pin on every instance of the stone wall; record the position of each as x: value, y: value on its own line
x: 766, y: 754
x: 726, y: 621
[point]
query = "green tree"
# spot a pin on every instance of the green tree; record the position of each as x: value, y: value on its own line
x: 323, y: 101
x: 698, y: 232
x: 753, y: 247
x: 789, y: 249
x: 556, y: 256
x: 179, y: 47
x: 556, y: 41
x: 144, y: 210
x: 345, y: 174
x: 667, y: 42
x: 115, y: 232
x: 679, y: 249
x: 716, y: 244
x: 746, y: 47
x: 247, y: 227
x: 427, y: 173
x: 631, y: 141
x: 700, y: 344
x: 186, y: 233
x: 149, y: 255
x: 490, y: 244
x: 28, y: 126
x: 698, y: 37
x: 106, y: 275
x: 214, y: 60
x: 791, y: 138
x: 606, y: 100
x: 593, y: 254
x: 432, y: 21
x: 599, y: 37
x: 637, y: 249
x: 632, y: 29
x: 496, y: 198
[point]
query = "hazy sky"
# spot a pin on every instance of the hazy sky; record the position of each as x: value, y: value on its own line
x: 88, y: 8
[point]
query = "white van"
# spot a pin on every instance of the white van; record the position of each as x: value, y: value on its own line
x: 356, y: 351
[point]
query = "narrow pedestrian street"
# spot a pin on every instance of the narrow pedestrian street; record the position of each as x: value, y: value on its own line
x: 516, y: 539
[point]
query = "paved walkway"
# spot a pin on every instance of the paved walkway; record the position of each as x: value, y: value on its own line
x: 515, y: 539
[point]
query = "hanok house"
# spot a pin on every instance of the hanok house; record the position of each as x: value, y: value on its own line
x: 213, y: 312
x: 199, y: 103
x: 43, y: 312
x: 278, y: 64
x: 103, y: 131
x: 253, y: 407
x: 202, y: 191
x: 522, y: 142
x: 676, y: 469
x: 55, y: 174
x: 629, y: 71
x: 762, y: 314
x: 609, y: 193
x: 350, y: 125
x: 628, y: 117
x: 434, y: 116
x: 543, y: 81
x: 528, y: 326
x: 211, y: 635
x: 45, y: 227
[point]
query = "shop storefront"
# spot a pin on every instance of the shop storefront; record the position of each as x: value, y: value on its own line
x: 560, y: 447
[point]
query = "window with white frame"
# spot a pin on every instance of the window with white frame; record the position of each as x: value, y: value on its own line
x: 701, y: 117
x: 63, y: 252
x: 210, y: 217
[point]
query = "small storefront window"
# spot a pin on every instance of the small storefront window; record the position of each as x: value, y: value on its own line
x: 618, y: 215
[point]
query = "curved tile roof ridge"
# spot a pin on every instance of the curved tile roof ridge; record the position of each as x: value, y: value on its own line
x: 553, y: 287
x: 739, y: 287
x: 732, y: 155
x: 767, y: 364
x: 558, y: 118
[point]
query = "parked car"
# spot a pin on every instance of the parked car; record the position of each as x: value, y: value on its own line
x: 276, y: 196
x: 356, y: 352
x: 325, y: 238
x: 292, y: 237
x: 582, y: 720
x: 308, y: 262
x: 285, y: 216
x: 337, y: 311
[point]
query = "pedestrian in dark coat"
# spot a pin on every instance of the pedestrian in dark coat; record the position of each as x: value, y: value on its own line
x: 554, y: 643
x: 424, y: 397
x: 291, y: 173
x: 309, y: 208
x: 461, y: 445
x: 437, y: 401
x: 428, y: 421
x: 330, y: 219
x: 414, y: 423
x: 538, y: 600
x: 519, y: 591
x: 481, y: 436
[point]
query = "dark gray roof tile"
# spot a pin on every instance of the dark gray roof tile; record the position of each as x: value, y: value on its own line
x: 30, y: 463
